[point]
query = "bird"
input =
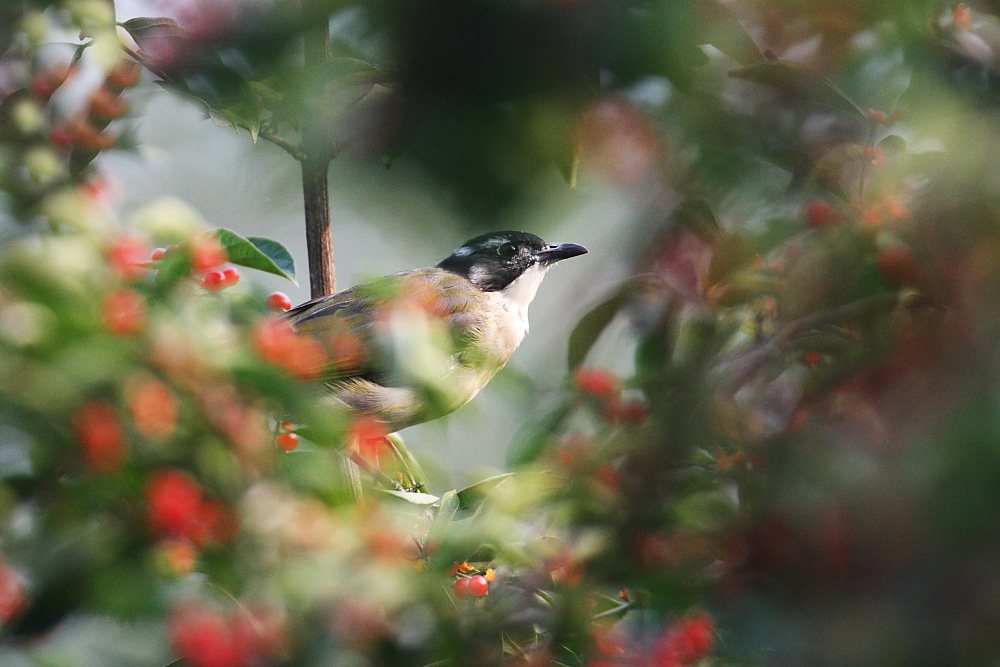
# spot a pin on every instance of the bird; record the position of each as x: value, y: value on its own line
x: 416, y: 345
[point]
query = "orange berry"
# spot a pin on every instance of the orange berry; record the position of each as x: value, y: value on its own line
x: 124, y: 75
x: 153, y: 408
x: 207, y: 253
x: 287, y: 441
x: 961, y: 15
x: 100, y: 435
x: 123, y: 312
x: 278, y: 301
x: 106, y: 105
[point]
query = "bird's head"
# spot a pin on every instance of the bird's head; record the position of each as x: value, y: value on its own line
x: 494, y: 262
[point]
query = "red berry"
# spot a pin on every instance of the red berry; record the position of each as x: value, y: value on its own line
x: 213, y: 281
x: 158, y: 254
x: 123, y: 312
x: 206, y: 639
x: 287, y: 441
x: 478, y: 586
x: 12, y: 598
x: 100, y: 435
x: 278, y: 301
x: 153, y: 408
x: 230, y: 276
x: 461, y: 588
x: 596, y: 382
x: 819, y: 214
x: 174, y: 502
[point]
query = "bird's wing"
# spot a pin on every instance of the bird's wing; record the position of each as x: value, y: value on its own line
x: 346, y: 322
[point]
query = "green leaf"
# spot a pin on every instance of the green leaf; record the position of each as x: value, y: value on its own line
x: 410, y: 463
x: 243, y: 252
x: 414, y: 497
x: 446, y: 513
x: 475, y: 494
x: 592, y: 325
x: 531, y: 440
x: 799, y: 80
x: 893, y: 144
x: 697, y: 215
x: 276, y: 252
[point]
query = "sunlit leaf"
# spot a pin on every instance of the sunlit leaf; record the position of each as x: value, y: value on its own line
x: 414, y: 497
x: 244, y: 252
x: 473, y: 495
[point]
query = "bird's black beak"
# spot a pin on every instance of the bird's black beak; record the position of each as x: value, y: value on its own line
x: 553, y: 252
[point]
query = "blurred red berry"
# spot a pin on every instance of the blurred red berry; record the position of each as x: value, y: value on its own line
x: 877, y: 116
x: 61, y: 136
x: 812, y: 357
x: 205, y: 639
x: 961, y: 15
x: 107, y: 105
x: 207, y: 254
x: 124, y: 75
x: 153, y: 407
x: 123, y: 312
x: 86, y: 135
x: 628, y: 412
x: 128, y: 255
x: 897, y: 263
x: 12, y: 598
x: 46, y: 83
x: 174, y: 501
x: 278, y: 301
x: 686, y: 642
x: 874, y: 154
x: 596, y: 382
x: 158, y: 254
x: 230, y: 276
x: 478, y: 586
x: 100, y: 435
x: 461, y: 588
x: 276, y: 342
x: 287, y: 441
x: 818, y: 214
x: 213, y: 281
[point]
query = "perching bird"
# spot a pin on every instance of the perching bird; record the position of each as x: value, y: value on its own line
x: 416, y: 345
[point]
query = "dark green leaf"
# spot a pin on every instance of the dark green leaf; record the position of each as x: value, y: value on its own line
x: 799, y: 80
x: 244, y: 253
x: 473, y: 495
x: 592, y: 325
x: 276, y: 252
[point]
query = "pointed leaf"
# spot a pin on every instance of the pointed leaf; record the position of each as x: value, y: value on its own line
x: 276, y: 252
x: 799, y: 80
x: 592, y: 325
x: 144, y: 28
x: 244, y: 253
x: 447, y: 510
x: 473, y: 495
x: 414, y: 497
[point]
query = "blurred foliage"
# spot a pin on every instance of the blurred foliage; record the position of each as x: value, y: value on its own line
x: 801, y: 467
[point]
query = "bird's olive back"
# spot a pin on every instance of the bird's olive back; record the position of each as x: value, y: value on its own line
x: 493, y: 261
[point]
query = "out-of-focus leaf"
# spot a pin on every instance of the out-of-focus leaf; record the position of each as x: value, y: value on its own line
x: 413, y: 467
x: 893, y: 144
x: 697, y: 215
x: 592, y: 325
x: 569, y: 164
x: 144, y: 28
x: 243, y: 252
x: 799, y: 80
x: 277, y: 252
x: 412, y: 496
x: 472, y: 496
x: 732, y: 253
x: 829, y: 167
x: 531, y: 440
x: 447, y: 510
x: 722, y: 29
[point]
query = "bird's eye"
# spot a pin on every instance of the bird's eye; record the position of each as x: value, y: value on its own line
x: 507, y: 250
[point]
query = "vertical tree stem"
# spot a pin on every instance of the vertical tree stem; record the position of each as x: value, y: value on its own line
x: 316, y: 197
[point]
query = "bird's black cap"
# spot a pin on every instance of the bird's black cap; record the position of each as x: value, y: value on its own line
x: 493, y: 261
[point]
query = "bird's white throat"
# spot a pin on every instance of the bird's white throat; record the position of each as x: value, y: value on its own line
x: 516, y: 296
